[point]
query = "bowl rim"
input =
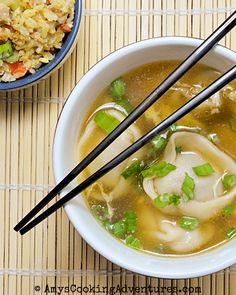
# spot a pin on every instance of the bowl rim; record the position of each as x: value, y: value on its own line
x: 69, y: 206
x: 61, y: 55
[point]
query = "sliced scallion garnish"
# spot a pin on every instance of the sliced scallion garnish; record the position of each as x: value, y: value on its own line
x: 173, y: 128
x: 159, y: 143
x: 123, y: 227
x: 175, y: 200
x: 100, y: 212
x: 166, y: 199
x: 228, y: 209
x: 125, y: 104
x: 119, y: 229
x: 203, y: 170
x: 106, y: 122
x: 162, y: 201
x: 188, y: 187
x: 131, y: 226
x: 117, y: 88
x: 133, y: 242
x: 231, y: 233
x: 134, y: 168
x: 131, y: 215
x: 160, y: 169
x: 229, y: 181
x: 108, y: 226
x: 130, y: 220
x: 189, y: 223
x: 178, y: 149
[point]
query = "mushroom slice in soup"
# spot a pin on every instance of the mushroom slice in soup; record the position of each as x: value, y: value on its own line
x: 116, y: 186
x: 209, y: 194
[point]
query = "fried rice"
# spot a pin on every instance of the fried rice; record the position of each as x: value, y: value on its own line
x: 31, y: 31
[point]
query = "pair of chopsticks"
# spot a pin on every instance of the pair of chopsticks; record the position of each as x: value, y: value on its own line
x: 26, y: 224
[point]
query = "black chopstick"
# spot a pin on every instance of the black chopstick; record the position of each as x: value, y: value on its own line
x: 191, y: 60
x: 182, y: 111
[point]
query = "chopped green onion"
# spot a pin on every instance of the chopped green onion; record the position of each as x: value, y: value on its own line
x: 203, y: 170
x: 162, y: 201
x: 166, y: 199
x: 5, y: 50
x: 159, y: 143
x: 173, y: 128
x: 123, y: 227
x: 189, y: 223
x: 175, y: 200
x: 133, y: 168
x: 178, y: 149
x: 13, y: 58
x: 231, y: 233
x: 137, y: 182
x: 131, y: 226
x: 133, y: 242
x: 188, y: 187
x: 160, y: 169
x: 228, y: 209
x: 229, y: 181
x: 108, y: 226
x: 125, y: 104
x: 106, y: 122
x: 130, y: 215
x: 117, y: 88
x: 100, y: 212
x: 119, y: 229
x: 130, y: 220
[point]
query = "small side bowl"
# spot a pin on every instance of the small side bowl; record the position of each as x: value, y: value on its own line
x: 66, y: 136
x: 68, y: 44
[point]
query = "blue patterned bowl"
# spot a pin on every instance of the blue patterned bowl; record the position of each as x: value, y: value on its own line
x: 58, y: 60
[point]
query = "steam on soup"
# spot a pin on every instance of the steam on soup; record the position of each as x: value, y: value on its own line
x: 177, y: 194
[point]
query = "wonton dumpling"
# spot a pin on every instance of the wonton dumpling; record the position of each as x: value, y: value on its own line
x: 113, y: 180
x: 181, y: 240
x: 158, y: 228
x: 209, y: 195
x: 213, y: 104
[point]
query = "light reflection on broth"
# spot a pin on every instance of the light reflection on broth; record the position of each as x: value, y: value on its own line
x: 127, y: 205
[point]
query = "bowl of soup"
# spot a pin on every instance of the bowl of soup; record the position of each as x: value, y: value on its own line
x: 169, y: 210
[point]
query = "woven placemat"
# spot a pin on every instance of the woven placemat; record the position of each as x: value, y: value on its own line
x: 53, y: 255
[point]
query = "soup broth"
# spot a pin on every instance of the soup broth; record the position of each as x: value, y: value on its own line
x: 177, y: 194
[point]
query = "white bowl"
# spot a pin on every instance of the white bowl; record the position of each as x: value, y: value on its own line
x: 66, y: 136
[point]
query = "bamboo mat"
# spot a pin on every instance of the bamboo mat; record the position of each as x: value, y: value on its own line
x: 53, y: 254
